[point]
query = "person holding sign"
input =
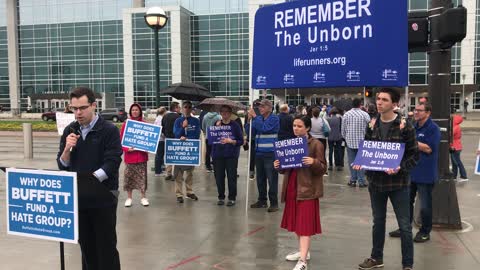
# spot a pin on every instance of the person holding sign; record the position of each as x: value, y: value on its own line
x: 185, y: 127
x: 301, y: 189
x: 394, y: 183
x: 135, y: 163
x: 91, y: 147
x: 225, y: 156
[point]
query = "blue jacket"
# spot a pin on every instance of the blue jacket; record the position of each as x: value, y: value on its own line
x: 229, y: 150
x: 266, y: 133
x: 192, y: 131
x: 426, y: 171
x: 100, y: 149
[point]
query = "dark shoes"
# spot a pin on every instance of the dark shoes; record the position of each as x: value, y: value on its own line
x: 352, y: 184
x: 230, y: 203
x: 339, y: 168
x: 192, y: 197
x: 273, y: 208
x: 362, y: 185
x: 421, y: 237
x: 221, y: 202
x: 395, y: 233
x: 330, y: 168
x: 259, y: 204
x: 179, y: 199
x: 370, y: 263
x: 169, y: 178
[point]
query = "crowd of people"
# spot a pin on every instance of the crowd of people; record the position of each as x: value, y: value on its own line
x: 91, y: 147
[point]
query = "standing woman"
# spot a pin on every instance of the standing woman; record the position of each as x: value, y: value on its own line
x: 456, y: 149
x: 135, y: 163
x: 320, y: 128
x: 301, y: 189
x: 225, y: 158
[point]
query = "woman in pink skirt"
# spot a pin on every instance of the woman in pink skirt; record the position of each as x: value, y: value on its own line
x: 302, y: 187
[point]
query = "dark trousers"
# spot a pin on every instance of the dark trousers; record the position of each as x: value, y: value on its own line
x: 228, y: 166
x: 335, y: 150
x: 252, y: 156
x: 98, y: 238
x: 159, y: 157
x: 400, y: 200
x: 425, y: 193
x: 266, y: 173
x: 208, y: 158
x: 457, y: 164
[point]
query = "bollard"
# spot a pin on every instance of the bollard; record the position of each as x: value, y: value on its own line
x: 27, y: 141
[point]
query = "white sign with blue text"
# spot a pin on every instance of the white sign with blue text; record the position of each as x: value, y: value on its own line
x: 141, y: 136
x: 182, y: 152
x: 42, y: 204
x: 330, y: 43
x: 477, y: 163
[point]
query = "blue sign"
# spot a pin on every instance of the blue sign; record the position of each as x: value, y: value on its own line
x: 379, y: 155
x: 178, y: 152
x: 215, y: 134
x: 42, y: 204
x: 331, y: 43
x: 290, y: 152
x: 477, y: 163
x: 141, y: 136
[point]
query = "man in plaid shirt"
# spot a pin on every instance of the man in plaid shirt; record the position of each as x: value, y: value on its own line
x: 393, y: 183
x: 354, y: 124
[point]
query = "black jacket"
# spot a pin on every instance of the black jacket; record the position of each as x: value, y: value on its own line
x: 168, y: 122
x: 100, y: 149
x: 286, y: 127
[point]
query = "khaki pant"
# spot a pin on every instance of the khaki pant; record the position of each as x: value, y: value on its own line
x: 169, y: 169
x: 178, y: 175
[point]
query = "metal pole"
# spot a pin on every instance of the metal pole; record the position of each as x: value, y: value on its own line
x: 27, y: 141
x: 446, y: 212
x: 62, y: 256
x: 157, y: 70
x: 463, y: 95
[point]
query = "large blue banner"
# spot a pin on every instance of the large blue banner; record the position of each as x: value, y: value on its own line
x: 178, y: 152
x: 42, y: 204
x: 378, y: 155
x: 290, y: 152
x: 141, y: 136
x: 331, y: 43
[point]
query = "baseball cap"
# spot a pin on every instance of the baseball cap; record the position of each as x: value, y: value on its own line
x: 266, y: 102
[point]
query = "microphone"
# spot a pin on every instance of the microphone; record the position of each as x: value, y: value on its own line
x: 75, y: 129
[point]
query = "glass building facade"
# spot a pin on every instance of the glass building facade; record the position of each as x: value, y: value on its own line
x: 4, y: 88
x: 219, y: 54
x: 202, y: 7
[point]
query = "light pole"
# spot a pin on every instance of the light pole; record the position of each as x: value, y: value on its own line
x: 463, y: 94
x: 156, y: 19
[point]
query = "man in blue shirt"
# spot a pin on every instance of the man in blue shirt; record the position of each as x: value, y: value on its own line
x: 425, y: 174
x: 265, y: 127
x: 185, y: 127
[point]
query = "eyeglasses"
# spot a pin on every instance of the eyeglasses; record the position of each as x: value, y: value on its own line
x: 419, y: 110
x: 81, y: 108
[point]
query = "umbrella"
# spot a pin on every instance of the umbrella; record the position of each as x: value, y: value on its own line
x: 187, y: 91
x: 343, y: 104
x: 214, y: 104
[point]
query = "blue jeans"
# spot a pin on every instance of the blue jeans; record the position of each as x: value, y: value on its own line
x: 354, y: 174
x: 400, y: 200
x: 457, y: 164
x: 425, y: 192
x: 335, y: 150
x: 159, y: 157
x: 228, y: 165
x: 266, y: 172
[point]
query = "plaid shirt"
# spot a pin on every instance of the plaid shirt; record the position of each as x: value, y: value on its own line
x: 354, y: 124
x: 381, y: 181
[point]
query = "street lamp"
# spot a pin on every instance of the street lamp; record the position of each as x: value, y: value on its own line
x: 463, y: 94
x: 156, y: 18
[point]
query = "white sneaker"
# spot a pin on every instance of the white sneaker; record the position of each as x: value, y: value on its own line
x: 459, y: 180
x: 144, y: 202
x: 295, y: 256
x: 128, y: 202
x: 301, y: 265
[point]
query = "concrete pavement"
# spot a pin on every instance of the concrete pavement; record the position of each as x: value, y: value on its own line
x: 202, y: 235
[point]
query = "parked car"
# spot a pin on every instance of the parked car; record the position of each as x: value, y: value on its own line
x: 51, y: 115
x: 116, y: 115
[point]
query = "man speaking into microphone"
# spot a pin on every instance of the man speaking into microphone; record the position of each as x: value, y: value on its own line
x: 91, y: 147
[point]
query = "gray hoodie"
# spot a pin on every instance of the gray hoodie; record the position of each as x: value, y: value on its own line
x: 210, y: 119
